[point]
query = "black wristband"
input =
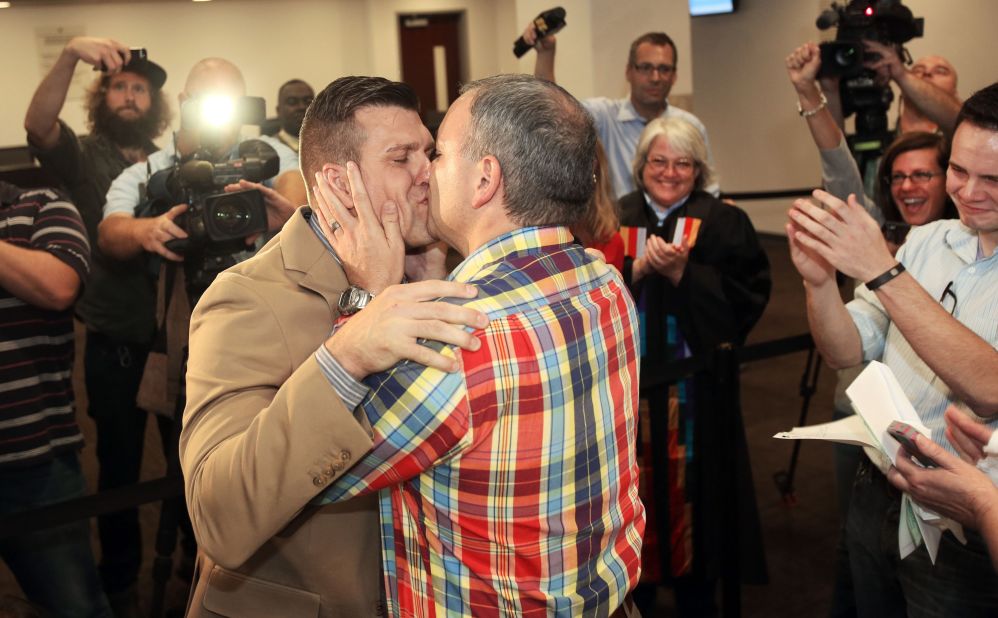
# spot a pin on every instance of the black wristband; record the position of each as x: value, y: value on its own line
x: 876, y: 282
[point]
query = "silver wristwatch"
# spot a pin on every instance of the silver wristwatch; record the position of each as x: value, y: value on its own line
x: 353, y: 299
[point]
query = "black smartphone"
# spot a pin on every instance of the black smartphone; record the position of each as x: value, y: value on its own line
x: 905, y: 435
x: 896, y: 231
x: 137, y: 53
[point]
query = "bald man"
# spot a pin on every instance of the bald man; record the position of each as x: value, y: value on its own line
x: 928, y: 89
x: 123, y: 236
x: 115, y: 362
x: 937, y: 71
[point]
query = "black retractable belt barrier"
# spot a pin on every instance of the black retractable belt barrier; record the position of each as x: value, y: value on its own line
x: 767, y: 195
x: 109, y: 501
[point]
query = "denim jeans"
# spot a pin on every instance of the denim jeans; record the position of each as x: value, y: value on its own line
x: 113, y: 372
x: 55, y: 567
x: 961, y: 583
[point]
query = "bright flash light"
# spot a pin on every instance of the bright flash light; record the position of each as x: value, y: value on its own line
x: 217, y: 111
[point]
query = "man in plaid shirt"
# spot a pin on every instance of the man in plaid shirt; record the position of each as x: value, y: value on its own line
x: 509, y: 487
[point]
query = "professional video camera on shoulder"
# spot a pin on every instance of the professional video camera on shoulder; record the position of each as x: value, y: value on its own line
x: 885, y: 21
x: 216, y: 222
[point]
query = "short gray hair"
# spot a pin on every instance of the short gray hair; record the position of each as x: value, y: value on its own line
x: 684, y: 138
x: 545, y: 143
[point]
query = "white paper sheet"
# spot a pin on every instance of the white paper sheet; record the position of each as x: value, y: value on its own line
x: 879, y: 400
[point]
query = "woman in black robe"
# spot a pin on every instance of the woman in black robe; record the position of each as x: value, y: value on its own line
x: 697, y: 288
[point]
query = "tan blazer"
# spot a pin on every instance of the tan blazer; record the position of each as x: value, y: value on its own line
x: 264, y: 432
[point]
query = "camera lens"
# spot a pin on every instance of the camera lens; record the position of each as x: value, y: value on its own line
x: 230, y: 216
x: 846, y: 56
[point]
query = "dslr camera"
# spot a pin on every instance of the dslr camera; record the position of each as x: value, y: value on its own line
x: 885, y: 21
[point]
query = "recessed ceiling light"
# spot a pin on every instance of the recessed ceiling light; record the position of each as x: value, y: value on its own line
x: 4, y: 5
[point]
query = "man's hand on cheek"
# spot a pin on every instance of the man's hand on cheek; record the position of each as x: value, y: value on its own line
x: 371, y: 251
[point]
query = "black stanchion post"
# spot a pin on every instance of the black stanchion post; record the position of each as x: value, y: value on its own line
x: 171, y: 509
x: 726, y: 373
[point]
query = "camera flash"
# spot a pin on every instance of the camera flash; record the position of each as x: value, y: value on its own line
x: 217, y: 111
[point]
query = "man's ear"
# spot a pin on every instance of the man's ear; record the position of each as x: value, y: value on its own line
x: 488, y: 182
x: 336, y: 175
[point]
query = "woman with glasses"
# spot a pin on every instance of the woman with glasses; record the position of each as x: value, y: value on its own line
x: 911, y: 183
x: 700, y: 279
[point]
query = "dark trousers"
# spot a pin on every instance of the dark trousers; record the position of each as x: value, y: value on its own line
x: 113, y: 372
x: 54, y: 566
x: 962, y: 582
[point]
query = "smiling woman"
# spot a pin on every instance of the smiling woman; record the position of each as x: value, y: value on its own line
x: 701, y: 279
x: 911, y: 183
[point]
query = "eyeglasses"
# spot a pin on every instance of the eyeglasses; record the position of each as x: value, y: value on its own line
x: 293, y: 101
x: 948, y: 293
x: 647, y: 68
x: 918, y: 178
x: 681, y: 166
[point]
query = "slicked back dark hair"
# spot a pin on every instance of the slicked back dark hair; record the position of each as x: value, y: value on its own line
x: 545, y: 143
x: 655, y: 38
x: 329, y: 133
x: 981, y: 109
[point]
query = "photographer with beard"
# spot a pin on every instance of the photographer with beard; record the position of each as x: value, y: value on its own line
x: 126, y: 109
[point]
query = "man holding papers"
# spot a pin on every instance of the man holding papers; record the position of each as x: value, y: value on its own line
x: 930, y: 317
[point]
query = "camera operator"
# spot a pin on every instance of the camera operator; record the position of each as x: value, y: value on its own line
x: 126, y: 240
x: 45, y: 259
x: 651, y: 72
x: 928, y: 89
x: 121, y: 234
x: 942, y: 351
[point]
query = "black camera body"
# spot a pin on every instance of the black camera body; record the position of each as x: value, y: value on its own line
x: 885, y: 21
x: 216, y: 222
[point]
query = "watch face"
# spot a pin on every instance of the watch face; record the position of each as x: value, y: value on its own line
x: 353, y: 299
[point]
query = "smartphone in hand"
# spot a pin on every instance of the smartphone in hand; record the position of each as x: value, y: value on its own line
x: 905, y: 435
x: 896, y: 231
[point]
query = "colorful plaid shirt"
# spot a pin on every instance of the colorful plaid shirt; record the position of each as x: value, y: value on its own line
x: 510, y: 487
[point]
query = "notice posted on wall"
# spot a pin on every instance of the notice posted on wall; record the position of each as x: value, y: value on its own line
x: 49, y: 41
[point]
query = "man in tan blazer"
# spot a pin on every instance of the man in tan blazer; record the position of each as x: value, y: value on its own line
x: 269, y: 419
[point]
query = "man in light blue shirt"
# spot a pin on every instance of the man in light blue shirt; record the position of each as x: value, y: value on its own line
x: 651, y: 72
x: 931, y: 317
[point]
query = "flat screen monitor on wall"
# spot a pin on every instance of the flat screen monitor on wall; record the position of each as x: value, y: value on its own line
x: 711, y: 7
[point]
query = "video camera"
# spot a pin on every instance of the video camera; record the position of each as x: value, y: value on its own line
x: 217, y: 223
x: 885, y: 21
